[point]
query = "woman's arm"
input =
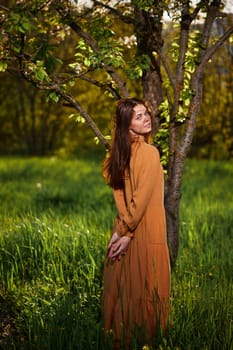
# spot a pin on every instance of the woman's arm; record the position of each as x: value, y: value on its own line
x: 147, y: 165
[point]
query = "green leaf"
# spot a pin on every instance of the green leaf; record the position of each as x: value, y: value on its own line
x: 87, y: 62
x: 40, y: 72
x: 3, y: 66
x: 108, y: 137
x: 97, y: 141
x: 78, y: 118
x: 71, y: 83
x: 53, y: 96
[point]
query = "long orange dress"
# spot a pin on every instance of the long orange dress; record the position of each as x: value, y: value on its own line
x: 137, y: 287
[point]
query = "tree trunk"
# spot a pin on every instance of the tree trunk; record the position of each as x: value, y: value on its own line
x: 172, y: 205
x: 149, y: 39
x: 152, y: 87
x: 148, y: 28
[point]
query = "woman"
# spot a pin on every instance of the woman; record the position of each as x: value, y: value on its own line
x: 137, y: 269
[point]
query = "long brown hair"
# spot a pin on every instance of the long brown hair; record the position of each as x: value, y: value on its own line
x: 119, y: 157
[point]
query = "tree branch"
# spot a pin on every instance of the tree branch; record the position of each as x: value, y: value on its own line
x: 196, y: 11
x: 212, y: 49
x: 211, y: 15
x: 197, y: 89
x: 84, y: 114
x: 118, y: 80
x: 4, y: 8
x: 184, y: 32
x: 54, y: 87
x: 125, y: 19
x: 167, y: 69
x: 106, y: 87
x: 186, y: 21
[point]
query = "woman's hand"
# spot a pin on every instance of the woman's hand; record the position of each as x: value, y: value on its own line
x: 119, y: 247
x: 115, y: 237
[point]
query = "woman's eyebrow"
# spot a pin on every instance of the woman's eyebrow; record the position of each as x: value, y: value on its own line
x: 140, y: 113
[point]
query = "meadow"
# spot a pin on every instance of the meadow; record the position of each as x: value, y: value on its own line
x: 55, y: 221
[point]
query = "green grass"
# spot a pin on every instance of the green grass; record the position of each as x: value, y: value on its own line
x: 56, y: 217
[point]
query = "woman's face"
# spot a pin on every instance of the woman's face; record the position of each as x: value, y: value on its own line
x: 141, y: 121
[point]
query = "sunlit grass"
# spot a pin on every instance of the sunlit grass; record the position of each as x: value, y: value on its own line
x: 56, y: 217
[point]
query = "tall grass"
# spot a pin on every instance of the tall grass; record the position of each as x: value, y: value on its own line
x: 56, y: 217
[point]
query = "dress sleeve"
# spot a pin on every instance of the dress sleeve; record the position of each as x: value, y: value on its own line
x: 146, y: 167
x: 121, y: 228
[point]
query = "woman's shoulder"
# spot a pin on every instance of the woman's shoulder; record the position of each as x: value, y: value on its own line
x: 146, y: 153
x: 148, y: 149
